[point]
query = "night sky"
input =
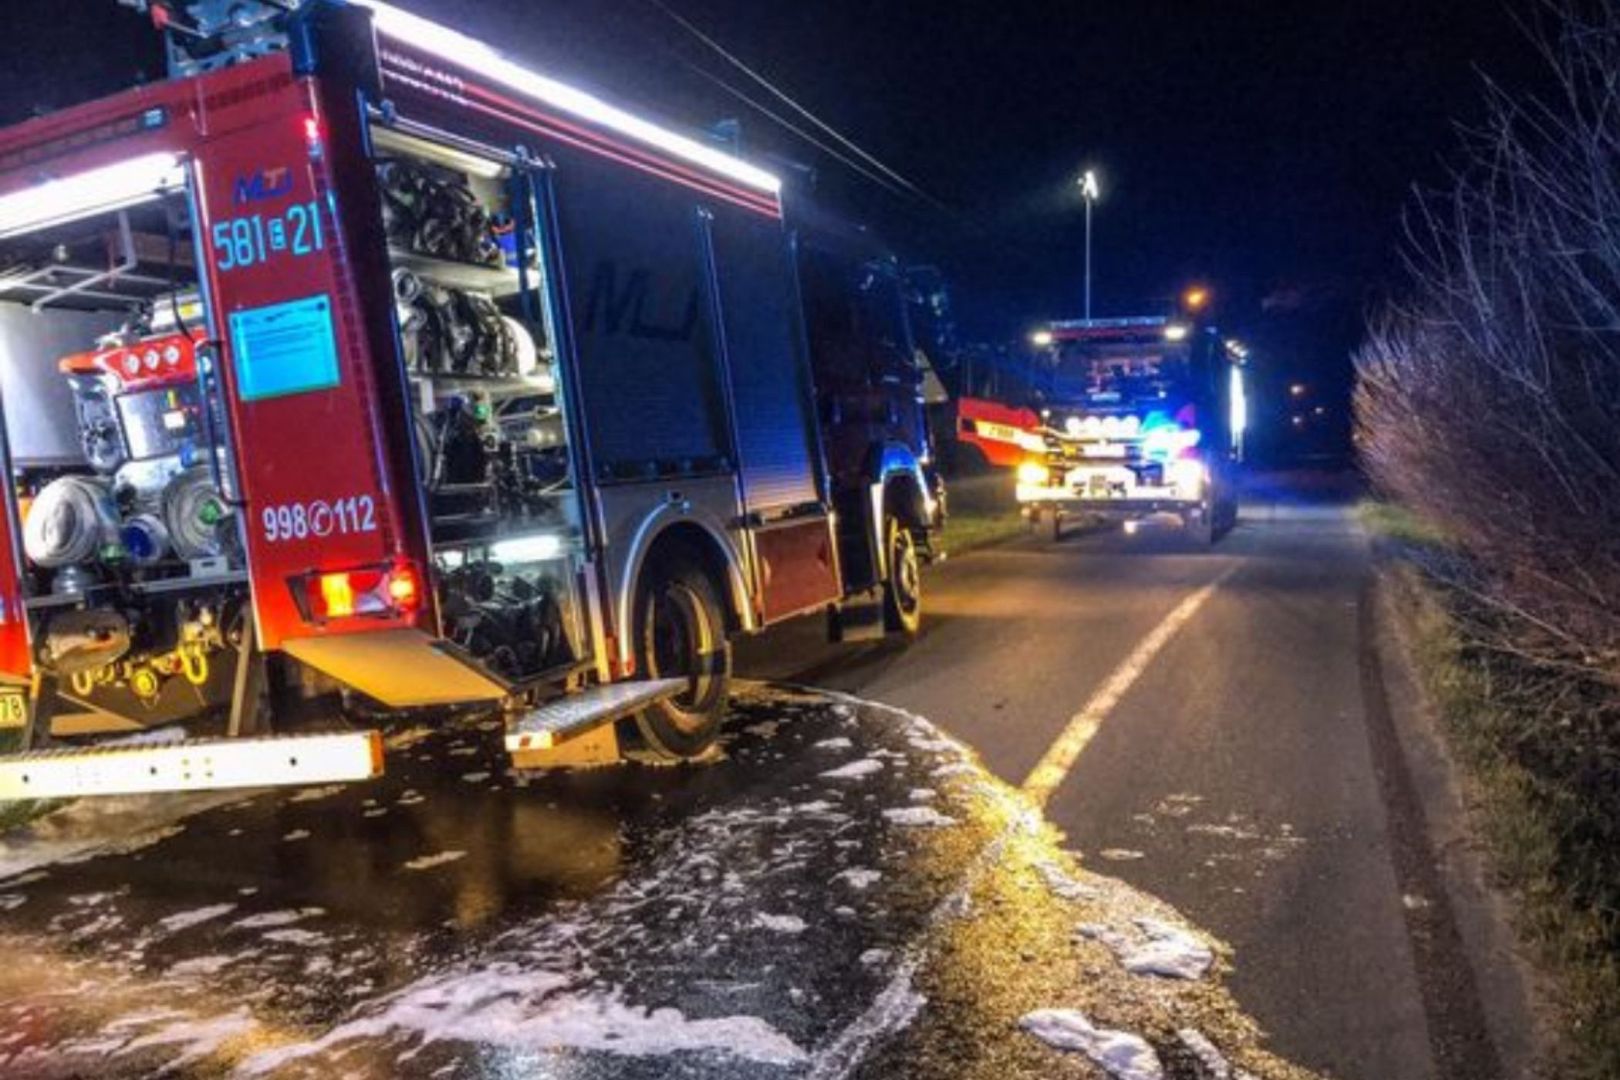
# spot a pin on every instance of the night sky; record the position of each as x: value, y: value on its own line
x: 1264, y: 149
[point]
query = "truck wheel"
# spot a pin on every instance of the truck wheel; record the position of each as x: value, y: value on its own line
x: 1200, y: 524
x: 902, y: 587
x: 681, y: 632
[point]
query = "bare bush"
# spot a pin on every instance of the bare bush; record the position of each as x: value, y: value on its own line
x: 1489, y: 398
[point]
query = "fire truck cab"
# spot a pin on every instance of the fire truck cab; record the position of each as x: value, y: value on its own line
x: 1132, y: 416
x: 358, y: 356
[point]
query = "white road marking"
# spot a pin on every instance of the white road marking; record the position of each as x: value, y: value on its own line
x: 1054, y: 766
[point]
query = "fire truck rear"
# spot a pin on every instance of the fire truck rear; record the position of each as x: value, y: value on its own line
x: 356, y: 356
x: 1137, y: 416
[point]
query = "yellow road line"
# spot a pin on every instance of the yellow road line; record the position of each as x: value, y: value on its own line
x: 1054, y: 766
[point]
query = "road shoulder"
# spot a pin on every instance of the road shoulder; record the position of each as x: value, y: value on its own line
x: 1510, y: 995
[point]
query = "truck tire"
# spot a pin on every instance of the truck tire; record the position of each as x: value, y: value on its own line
x: 902, y: 583
x: 1227, y: 512
x: 681, y: 631
x: 1200, y: 524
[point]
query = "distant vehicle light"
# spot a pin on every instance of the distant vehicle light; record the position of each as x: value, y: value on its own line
x: 1169, y: 442
x: 1041, y: 339
x: 1175, y: 332
x: 1188, y: 475
x: 1034, y: 474
x: 1240, y: 406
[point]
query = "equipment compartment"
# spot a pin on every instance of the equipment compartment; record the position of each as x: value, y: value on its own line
x: 476, y: 338
x: 131, y: 557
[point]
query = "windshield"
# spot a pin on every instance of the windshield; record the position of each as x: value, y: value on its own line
x: 1104, y: 374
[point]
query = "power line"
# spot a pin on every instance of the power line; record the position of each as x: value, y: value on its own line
x: 855, y: 166
x: 781, y: 95
x: 830, y: 151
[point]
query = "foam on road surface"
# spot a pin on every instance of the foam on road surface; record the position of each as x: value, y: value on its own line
x: 787, y: 911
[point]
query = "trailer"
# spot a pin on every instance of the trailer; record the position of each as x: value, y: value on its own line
x: 1135, y: 416
x: 357, y: 358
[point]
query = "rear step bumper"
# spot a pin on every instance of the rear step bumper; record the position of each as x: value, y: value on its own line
x: 211, y: 764
x: 574, y: 715
x: 194, y: 765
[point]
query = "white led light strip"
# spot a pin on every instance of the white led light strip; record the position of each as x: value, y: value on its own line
x: 109, y: 187
x: 475, y: 56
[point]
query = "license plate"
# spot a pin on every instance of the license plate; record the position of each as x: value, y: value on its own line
x: 13, y: 707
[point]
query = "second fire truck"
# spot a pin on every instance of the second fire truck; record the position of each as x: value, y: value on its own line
x: 1129, y: 417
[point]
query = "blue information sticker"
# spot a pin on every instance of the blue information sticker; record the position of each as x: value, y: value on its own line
x: 284, y: 348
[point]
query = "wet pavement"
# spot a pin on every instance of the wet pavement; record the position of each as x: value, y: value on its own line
x: 844, y: 892
x: 1252, y: 771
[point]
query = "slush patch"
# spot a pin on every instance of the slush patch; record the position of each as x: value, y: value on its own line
x: 854, y: 770
x: 1122, y: 1055
x: 917, y: 817
x: 1160, y: 949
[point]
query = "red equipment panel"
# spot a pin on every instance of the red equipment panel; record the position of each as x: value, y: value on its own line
x: 156, y: 362
x: 797, y: 566
x: 323, y: 459
x: 301, y: 385
x: 16, y: 657
x: 1000, y: 431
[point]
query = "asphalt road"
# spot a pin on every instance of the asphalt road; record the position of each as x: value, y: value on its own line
x: 843, y: 891
x: 1222, y: 743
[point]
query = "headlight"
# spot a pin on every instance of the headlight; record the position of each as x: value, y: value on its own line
x: 1188, y: 475
x: 1033, y: 474
x: 1132, y: 424
x: 1111, y: 426
x: 1072, y: 425
x: 1093, y: 425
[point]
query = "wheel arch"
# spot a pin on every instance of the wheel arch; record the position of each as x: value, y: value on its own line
x: 897, y: 484
x: 673, y: 532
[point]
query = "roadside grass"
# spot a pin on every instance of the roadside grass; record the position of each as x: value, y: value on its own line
x: 1544, y: 782
x: 966, y: 531
x: 1396, y: 523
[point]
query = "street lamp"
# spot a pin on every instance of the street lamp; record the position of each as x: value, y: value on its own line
x: 1089, y: 191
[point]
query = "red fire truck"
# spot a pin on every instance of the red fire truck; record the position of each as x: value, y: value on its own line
x: 357, y: 356
x: 1129, y: 417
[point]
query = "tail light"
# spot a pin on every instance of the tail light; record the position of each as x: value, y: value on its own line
x: 393, y: 590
